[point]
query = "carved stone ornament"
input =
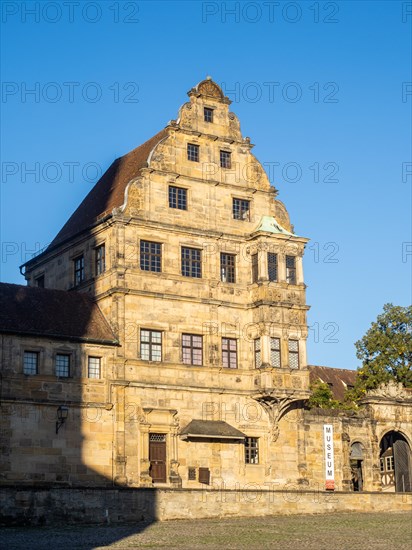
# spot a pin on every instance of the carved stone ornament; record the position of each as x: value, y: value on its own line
x: 207, y: 87
x: 390, y: 390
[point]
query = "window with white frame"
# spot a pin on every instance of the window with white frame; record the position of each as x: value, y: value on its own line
x: 192, y: 349
x: 291, y: 270
x: 31, y: 362
x: 150, y: 345
x: 251, y: 450
x: 62, y: 365
x: 93, y: 367
x: 293, y: 354
x: 258, y: 353
x: 229, y: 353
x: 275, y: 352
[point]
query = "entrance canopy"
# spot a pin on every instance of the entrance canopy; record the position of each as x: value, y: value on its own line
x: 211, y: 429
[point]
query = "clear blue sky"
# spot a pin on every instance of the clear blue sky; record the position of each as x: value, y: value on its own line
x: 320, y: 87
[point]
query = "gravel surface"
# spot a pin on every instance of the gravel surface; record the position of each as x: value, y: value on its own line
x: 326, y: 531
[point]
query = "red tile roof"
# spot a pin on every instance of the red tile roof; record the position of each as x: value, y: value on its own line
x: 52, y: 314
x: 109, y: 191
x: 338, y: 379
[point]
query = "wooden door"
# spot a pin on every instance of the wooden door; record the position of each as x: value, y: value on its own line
x: 402, y: 467
x: 157, y: 457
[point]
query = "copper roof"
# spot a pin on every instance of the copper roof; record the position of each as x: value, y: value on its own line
x: 52, y: 313
x: 338, y: 379
x: 211, y: 429
x: 109, y: 191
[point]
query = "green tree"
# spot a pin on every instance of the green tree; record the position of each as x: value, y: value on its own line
x: 385, y: 351
x: 322, y: 396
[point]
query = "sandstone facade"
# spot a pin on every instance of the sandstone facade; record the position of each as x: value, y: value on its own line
x: 194, y: 263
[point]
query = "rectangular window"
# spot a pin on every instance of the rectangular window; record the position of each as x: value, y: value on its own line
x: 177, y: 197
x: 39, y: 281
x: 204, y: 476
x: 150, y: 345
x: 290, y: 270
x: 241, y: 209
x: 192, y: 349
x: 31, y: 362
x: 93, y: 367
x: 100, y: 259
x: 227, y: 267
x: 208, y: 114
x: 63, y: 365
x: 150, y: 256
x: 191, y: 262
x: 255, y: 268
x: 78, y: 270
x: 225, y: 159
x: 389, y: 463
x: 229, y: 353
x: 272, y: 266
x: 275, y: 352
x: 193, y: 152
x: 258, y: 353
x: 191, y: 474
x: 293, y: 354
x: 251, y: 450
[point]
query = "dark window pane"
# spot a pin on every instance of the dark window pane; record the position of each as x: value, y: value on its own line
x: 255, y: 268
x: 227, y: 268
x: 208, y: 114
x: 150, y: 256
x: 100, y: 259
x: 78, y: 270
x: 290, y: 270
x: 193, y: 152
x: 191, y: 262
x: 225, y: 159
x: 241, y: 209
x: 177, y: 198
x: 272, y: 266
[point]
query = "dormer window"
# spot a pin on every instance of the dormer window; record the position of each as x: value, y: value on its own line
x: 208, y: 114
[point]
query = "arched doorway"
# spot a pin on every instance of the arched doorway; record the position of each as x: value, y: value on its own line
x: 395, y: 463
x: 356, y: 462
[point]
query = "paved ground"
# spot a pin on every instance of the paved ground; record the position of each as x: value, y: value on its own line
x: 320, y: 532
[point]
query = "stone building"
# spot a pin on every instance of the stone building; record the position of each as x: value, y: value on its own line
x: 161, y: 340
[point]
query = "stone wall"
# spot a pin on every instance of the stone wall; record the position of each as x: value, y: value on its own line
x: 100, y: 506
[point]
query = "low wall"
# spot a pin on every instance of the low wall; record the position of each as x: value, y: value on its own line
x: 34, y: 506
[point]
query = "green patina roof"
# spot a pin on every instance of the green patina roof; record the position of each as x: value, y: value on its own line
x: 270, y: 225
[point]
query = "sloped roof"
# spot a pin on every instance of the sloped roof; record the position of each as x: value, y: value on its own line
x: 109, y: 191
x: 211, y: 429
x: 338, y: 379
x: 52, y: 313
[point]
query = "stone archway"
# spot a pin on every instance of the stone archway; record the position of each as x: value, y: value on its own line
x: 395, y: 463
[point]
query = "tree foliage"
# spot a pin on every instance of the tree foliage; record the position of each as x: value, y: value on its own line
x: 385, y: 351
x: 322, y: 396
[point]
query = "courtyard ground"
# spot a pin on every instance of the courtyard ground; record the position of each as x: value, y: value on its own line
x: 327, y: 531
